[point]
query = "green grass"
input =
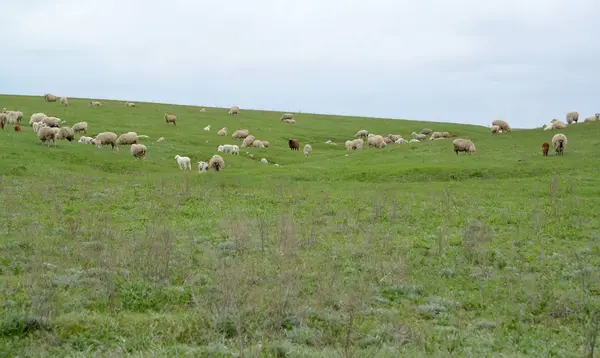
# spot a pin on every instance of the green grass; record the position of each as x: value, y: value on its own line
x: 409, y: 250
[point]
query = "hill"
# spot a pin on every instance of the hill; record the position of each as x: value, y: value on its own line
x: 409, y: 250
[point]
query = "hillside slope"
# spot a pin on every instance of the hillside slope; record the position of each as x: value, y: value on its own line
x: 407, y: 250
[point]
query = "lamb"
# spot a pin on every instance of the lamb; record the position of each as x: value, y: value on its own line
x: 294, y: 144
x: 376, y: 141
x: 65, y: 133
x: 266, y: 144
x: 264, y: 161
x: 183, y: 162
x: 207, y: 128
x: 47, y: 134
x: 463, y: 145
x: 363, y: 133
x: 36, y: 117
x: 502, y: 124
x: 307, y: 150
x: 49, y: 97
x: 51, y: 121
x: 170, y: 118
x: 419, y: 136
x: 426, y: 131
x: 129, y: 104
x: 401, y: 141
x: 85, y: 140
x: 95, y: 103
x: 17, y: 128
x: 80, y: 127
x: 286, y: 116
x: 559, y: 125
x: 394, y: 137
x: 202, y: 167
x: 435, y: 135
x: 222, y: 132
x: 594, y: 118
x: 414, y: 140
x: 236, y: 150
x: 257, y: 144
x: 216, y: 162
x: 572, y: 117
x: 160, y: 140
x: 64, y: 101
x: 127, y: 138
x: 13, y: 116
x: 235, y: 110
x: 220, y: 148
x: 545, y: 147
x: 105, y: 138
x: 37, y: 126
x: 559, y: 142
x: 138, y: 151
x: 248, y: 141
x: 240, y: 134
x: 203, y: 110
x: 496, y: 130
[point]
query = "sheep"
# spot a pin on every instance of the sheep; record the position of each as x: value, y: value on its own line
x: 142, y: 136
x: 138, y: 151
x: 502, y: 124
x: 257, y: 144
x: 17, y: 128
x: 286, y: 116
x: 419, y: 136
x: 64, y: 101
x: 222, y: 132
x: 348, y: 145
x: 401, y: 141
x: 220, y: 148
x: 127, y: 138
x: 294, y: 144
x: 426, y: 131
x: 264, y: 161
x: 266, y: 144
x: 445, y: 135
x: 307, y: 150
x: 47, y: 134
x: 496, y: 130
x: 545, y: 147
x: 414, y: 140
x: 559, y: 125
x: 160, y: 140
x: 129, y: 104
x: 216, y: 162
x: 394, y: 137
x: 13, y: 116
x: 363, y: 133
x: 183, y: 162
x: 559, y: 141
x: 105, y: 138
x: 387, y: 140
x: 170, y: 118
x: 463, y: 145
x: 240, y: 134
x: 51, y: 121
x: 202, y: 109
x: 202, y: 167
x: 594, y: 118
x: 38, y: 125
x: 248, y: 141
x: 435, y: 135
x: 207, y: 128
x: 94, y: 103
x: 85, y: 140
x: 36, y: 117
x: 572, y: 117
x: 292, y: 121
x: 80, y: 127
x: 376, y: 141
x: 236, y: 150
x: 250, y: 155
x: 49, y: 97
x: 65, y: 133
x: 235, y: 110
x: 3, y: 120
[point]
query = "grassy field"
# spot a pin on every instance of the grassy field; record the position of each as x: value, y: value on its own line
x: 409, y: 250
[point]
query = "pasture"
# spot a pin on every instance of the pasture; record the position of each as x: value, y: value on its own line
x: 410, y: 250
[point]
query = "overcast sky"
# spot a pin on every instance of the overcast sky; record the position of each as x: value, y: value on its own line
x: 465, y: 61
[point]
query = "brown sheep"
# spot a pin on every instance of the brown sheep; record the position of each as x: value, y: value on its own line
x: 17, y: 128
x: 294, y: 144
x: 545, y: 148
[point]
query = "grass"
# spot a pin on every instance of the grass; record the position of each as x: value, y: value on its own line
x: 409, y: 250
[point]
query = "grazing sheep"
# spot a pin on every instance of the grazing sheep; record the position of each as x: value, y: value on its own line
x: 248, y: 141
x: 401, y: 141
x: 292, y: 121
x: 38, y: 125
x: 170, y: 118
x: 105, y: 138
x: 445, y: 135
x: 222, y: 131
x: 129, y: 104
x: 235, y: 110
x: 559, y: 124
x: 435, y: 135
x: 496, y: 129
x: 127, y: 138
x: 95, y: 103
x: 286, y: 116
x: 85, y: 140
x: 3, y: 120
x: 257, y: 144
x: 594, y: 118
x: 545, y: 147
x: 17, y: 128
x: 419, y: 136
x: 307, y: 150
x: 559, y: 142
x: 207, y: 128
x: 183, y: 162
x: 376, y: 141
x: 13, y: 116
x: 463, y: 145
x: 49, y: 97
x: 202, y: 167
x: 264, y: 161
x: 572, y: 117
x: 266, y: 144
x: 160, y: 140
x: 414, y: 140
x: 36, y: 117
x: 226, y: 148
x: 294, y: 144
x: 47, y: 134
x: 387, y: 140
x: 51, y: 121
x: 65, y: 133
x: 502, y: 124
x: 394, y: 137
x: 240, y: 134
x: 216, y: 162
x: 138, y: 151
x: 236, y: 150
x: 363, y: 133
x: 220, y: 148
x: 80, y: 127
x: 330, y: 142
x: 426, y: 131
x: 357, y: 144
x: 64, y: 101
x: 202, y: 109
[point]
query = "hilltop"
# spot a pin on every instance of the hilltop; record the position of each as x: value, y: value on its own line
x: 407, y: 250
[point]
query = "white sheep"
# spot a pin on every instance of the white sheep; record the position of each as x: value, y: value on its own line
x: 138, y: 151
x: 236, y: 150
x: 547, y: 126
x: 129, y: 104
x: 207, y: 128
x: 572, y: 117
x: 594, y: 118
x: 401, y: 141
x: 463, y: 145
x: 216, y: 162
x: 161, y: 139
x: 220, y: 148
x: 307, y: 150
x: 95, y: 103
x: 435, y: 135
x: 38, y: 125
x: 559, y: 142
x: 559, y: 124
x: 264, y: 161
x: 183, y: 162
x: 376, y: 141
x: 414, y: 140
x: 502, y: 124
x: 202, y: 167
x: 64, y: 101
x: 222, y: 131
x: 234, y: 110
x: 418, y: 136
x: 80, y: 127
x: 496, y: 129
x: 36, y: 117
x: 85, y: 140
x: 363, y: 133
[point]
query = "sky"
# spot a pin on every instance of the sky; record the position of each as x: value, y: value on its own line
x: 462, y: 61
